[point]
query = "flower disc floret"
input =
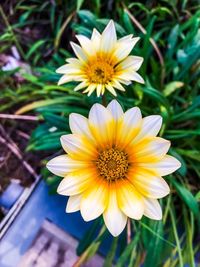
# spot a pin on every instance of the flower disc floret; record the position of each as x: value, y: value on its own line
x: 112, y: 164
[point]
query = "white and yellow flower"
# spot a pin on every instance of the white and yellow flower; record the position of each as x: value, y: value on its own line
x: 102, y: 63
x: 113, y: 165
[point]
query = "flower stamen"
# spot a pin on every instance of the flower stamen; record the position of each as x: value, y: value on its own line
x: 99, y: 71
x: 112, y: 164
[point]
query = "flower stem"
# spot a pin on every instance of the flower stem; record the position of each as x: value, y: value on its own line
x: 128, y: 231
x: 104, y: 102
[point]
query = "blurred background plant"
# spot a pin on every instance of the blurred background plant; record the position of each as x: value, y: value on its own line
x: 34, y: 41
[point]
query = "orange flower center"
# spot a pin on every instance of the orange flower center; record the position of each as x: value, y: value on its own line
x: 112, y: 164
x: 100, y: 70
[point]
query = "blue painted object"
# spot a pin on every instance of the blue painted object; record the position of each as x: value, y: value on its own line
x: 10, y: 195
x: 40, y: 206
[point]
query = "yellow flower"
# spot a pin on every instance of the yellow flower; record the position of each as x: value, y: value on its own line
x: 102, y: 63
x: 113, y: 165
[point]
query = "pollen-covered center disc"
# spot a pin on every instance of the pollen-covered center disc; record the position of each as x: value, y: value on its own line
x: 99, y: 71
x: 112, y: 164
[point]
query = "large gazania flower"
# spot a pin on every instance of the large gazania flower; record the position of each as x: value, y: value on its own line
x: 113, y: 165
x: 102, y: 63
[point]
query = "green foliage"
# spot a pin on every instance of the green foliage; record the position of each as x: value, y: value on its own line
x: 171, y: 89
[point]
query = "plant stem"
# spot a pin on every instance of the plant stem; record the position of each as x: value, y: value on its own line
x: 104, y: 102
x: 19, y: 117
x: 128, y: 231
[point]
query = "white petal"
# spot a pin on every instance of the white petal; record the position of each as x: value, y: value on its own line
x: 76, y: 182
x: 108, y: 38
x: 124, y: 47
x: 129, y: 200
x: 117, y: 85
x: 165, y: 166
x: 69, y: 69
x: 96, y: 39
x: 129, y: 126
x: 65, y: 79
x: 74, y: 61
x: 79, y: 52
x: 137, y: 78
x: 130, y: 76
x: 73, y: 203
x: 114, y: 218
x: 150, y: 150
x: 93, y: 202
x: 132, y: 117
x: 116, y: 109
x: 126, y: 38
x: 86, y: 44
x: 79, y: 125
x: 131, y: 62
x: 95, y: 34
x: 103, y: 89
x: 124, y: 81
x: 91, y: 88
x: 99, y: 89
x: 63, y: 164
x: 101, y: 124
x: 80, y: 86
x: 70, y: 77
x: 111, y: 89
x: 152, y: 209
x: 150, y: 186
x: 150, y: 127
x: 78, y: 147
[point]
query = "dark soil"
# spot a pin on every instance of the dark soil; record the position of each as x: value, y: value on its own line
x: 17, y: 133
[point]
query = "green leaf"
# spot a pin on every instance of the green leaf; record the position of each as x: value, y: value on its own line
x: 34, y: 47
x: 48, y: 141
x: 88, y: 17
x: 121, y: 262
x: 156, y: 95
x: 175, y: 232
x: 193, y: 154
x: 111, y: 254
x: 187, y: 197
x: 197, y: 196
x: 155, y: 245
x: 161, y: 11
x: 41, y: 103
x: 79, y: 4
x: 177, y: 134
x: 127, y: 23
x: 56, y: 120
x: 88, y: 237
x: 155, y: 233
x: 92, y: 249
x: 172, y: 40
x: 189, y: 55
x: 172, y: 87
x: 183, y: 169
